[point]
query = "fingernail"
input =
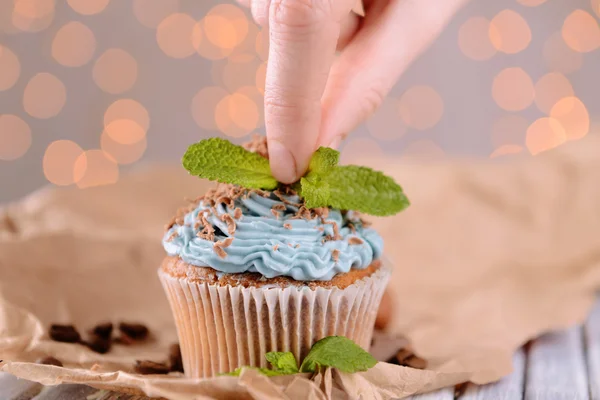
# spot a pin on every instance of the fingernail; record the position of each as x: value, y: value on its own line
x: 283, y: 164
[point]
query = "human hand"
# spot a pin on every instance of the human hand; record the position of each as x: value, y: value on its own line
x: 314, y: 99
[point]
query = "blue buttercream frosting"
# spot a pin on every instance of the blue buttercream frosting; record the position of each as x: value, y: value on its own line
x: 270, y: 239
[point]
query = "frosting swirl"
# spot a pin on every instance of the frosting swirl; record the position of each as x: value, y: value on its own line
x: 262, y: 232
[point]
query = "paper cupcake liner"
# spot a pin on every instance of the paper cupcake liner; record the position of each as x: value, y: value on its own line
x: 221, y: 328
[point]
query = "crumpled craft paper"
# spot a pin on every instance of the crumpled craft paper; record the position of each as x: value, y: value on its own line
x: 488, y: 256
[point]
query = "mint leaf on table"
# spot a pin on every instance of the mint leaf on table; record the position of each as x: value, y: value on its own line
x: 220, y: 160
x: 337, y: 352
x: 283, y: 362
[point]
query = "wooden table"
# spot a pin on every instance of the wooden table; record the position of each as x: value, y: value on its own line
x: 558, y: 366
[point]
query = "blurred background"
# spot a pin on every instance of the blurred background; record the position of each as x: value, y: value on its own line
x: 91, y: 88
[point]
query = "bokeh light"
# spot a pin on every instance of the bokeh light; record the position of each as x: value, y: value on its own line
x: 531, y: 3
x: 226, y: 26
x: 10, y: 68
x: 96, y: 168
x: 74, y: 45
x: 32, y: 15
x: 262, y: 44
x: 115, y: 71
x: 506, y: 150
x: 240, y: 71
x: 423, y: 150
x: 513, y: 89
x: 258, y: 98
x: 596, y: 7
x: 125, y: 131
x: 581, y: 31
x: 151, y: 12
x: 45, y: 96
x: 6, y: 11
x: 59, y: 162
x: 358, y: 149
x: 15, y: 137
x: 474, y: 39
x: 236, y: 115
x: 544, y: 134
x: 573, y: 116
x: 88, y: 7
x: 261, y: 77
x: 509, y: 32
x: 421, y: 107
x: 559, y: 57
x: 205, y: 47
x: 509, y: 129
x: 175, y: 35
x: 123, y: 153
x: 385, y: 123
x: 549, y: 89
x: 127, y: 109
x: 204, y: 105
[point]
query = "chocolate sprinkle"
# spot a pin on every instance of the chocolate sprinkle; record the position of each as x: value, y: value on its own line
x: 146, y: 367
x: 99, y: 344
x: 64, y: 333
x: 134, y: 330
x: 103, y: 330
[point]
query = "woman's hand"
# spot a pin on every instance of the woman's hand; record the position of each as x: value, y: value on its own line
x: 312, y: 97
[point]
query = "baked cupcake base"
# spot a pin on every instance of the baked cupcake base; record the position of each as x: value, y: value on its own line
x: 225, y: 321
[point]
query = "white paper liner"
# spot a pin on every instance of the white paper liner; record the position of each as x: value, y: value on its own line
x: 221, y: 328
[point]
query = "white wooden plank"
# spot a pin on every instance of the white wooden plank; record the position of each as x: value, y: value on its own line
x: 508, y: 388
x: 592, y: 337
x: 444, y: 394
x: 556, y: 367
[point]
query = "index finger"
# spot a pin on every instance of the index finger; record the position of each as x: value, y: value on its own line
x: 303, y: 36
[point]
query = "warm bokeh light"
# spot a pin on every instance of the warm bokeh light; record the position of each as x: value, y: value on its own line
x: 581, y: 31
x: 123, y: 153
x: 226, y: 26
x: 73, y: 45
x: 10, y: 68
x: 531, y: 3
x: 474, y: 39
x: 45, y: 96
x: 240, y: 71
x: 6, y: 11
x: 125, y: 131
x: 559, y: 57
x: 596, y: 7
x: 573, y: 116
x: 509, y: 32
x: 261, y: 77
x: 509, y: 129
x: 236, y: 115
x: 88, y: 7
x: 15, y: 137
x: 359, y: 148
x: 204, y: 105
x: 513, y: 89
x: 258, y: 98
x: 544, y: 134
x: 175, y: 35
x: 424, y: 150
x: 115, y: 71
x: 32, y: 15
x: 549, y: 89
x: 96, y: 168
x: 421, y: 107
x: 385, y: 123
x: 127, y: 109
x: 59, y: 162
x: 506, y: 150
x: 262, y: 44
x: 205, y: 47
x: 151, y: 12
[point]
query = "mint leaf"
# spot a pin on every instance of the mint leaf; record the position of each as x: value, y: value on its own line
x: 315, y: 190
x: 220, y: 160
x: 283, y: 362
x: 337, y: 352
x: 324, y: 160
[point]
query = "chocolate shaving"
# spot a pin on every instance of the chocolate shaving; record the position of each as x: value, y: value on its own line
x: 228, y: 201
x: 297, y: 245
x: 355, y: 240
x: 258, y: 144
x: 172, y: 236
x: 50, y: 361
x: 219, y: 250
x: 64, y: 333
x: 279, y: 207
x: 351, y: 227
x: 275, y: 247
x: 281, y: 197
x: 224, y: 243
x: 336, y: 231
x: 134, y: 330
x: 237, y: 213
x: 287, y: 226
x: 124, y: 339
x: 275, y: 213
x: 98, y: 344
x: 335, y: 255
x: 103, y: 330
x: 230, y: 223
x: 146, y: 367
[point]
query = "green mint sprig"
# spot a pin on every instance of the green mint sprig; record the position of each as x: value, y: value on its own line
x: 326, y: 184
x: 333, y: 351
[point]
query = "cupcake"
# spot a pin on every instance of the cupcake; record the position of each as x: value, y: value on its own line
x: 250, y: 271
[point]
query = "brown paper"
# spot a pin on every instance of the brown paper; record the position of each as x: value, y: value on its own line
x: 488, y: 256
